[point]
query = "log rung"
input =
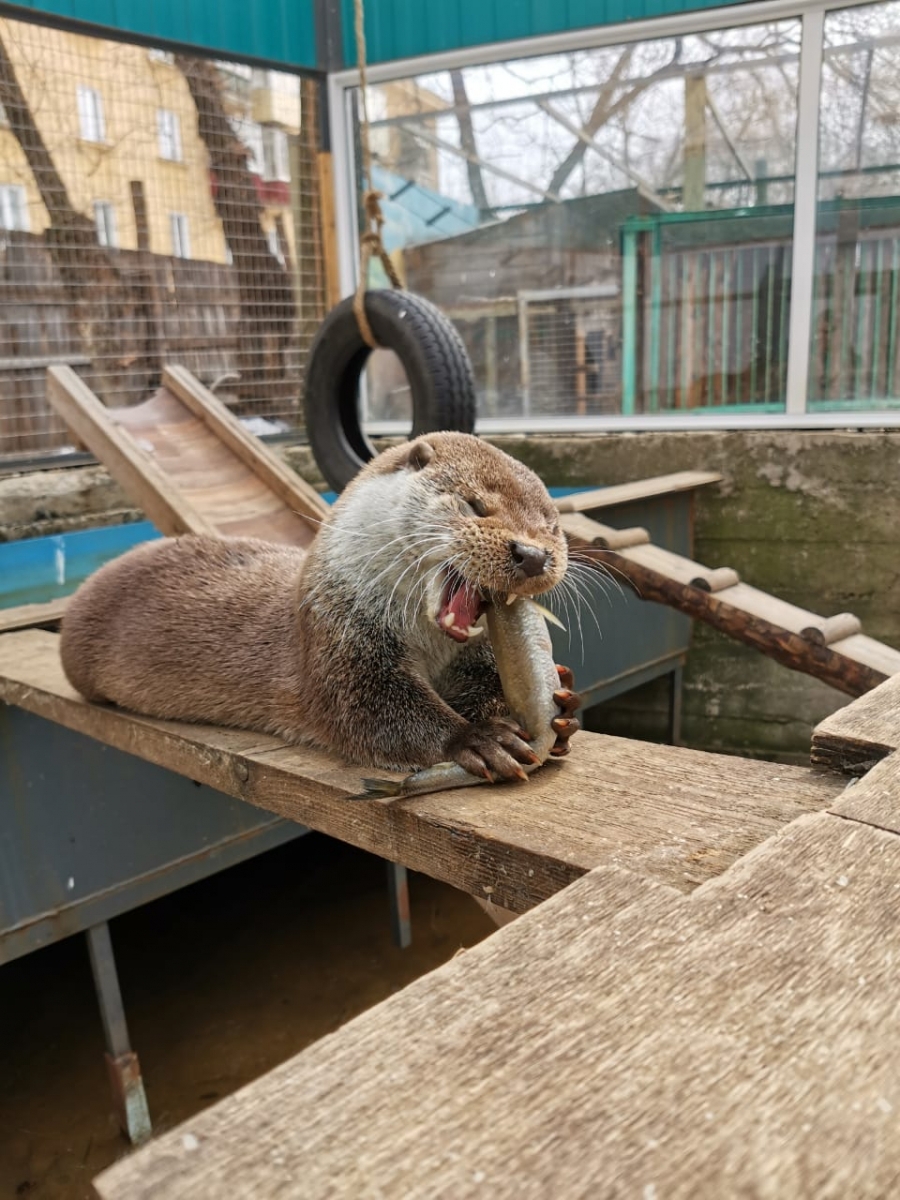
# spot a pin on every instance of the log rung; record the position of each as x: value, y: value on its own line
x: 716, y: 580
x: 622, y: 539
x: 603, y: 536
x: 832, y: 629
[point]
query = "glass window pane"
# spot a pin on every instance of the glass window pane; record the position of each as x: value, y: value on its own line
x: 856, y: 303
x: 610, y: 229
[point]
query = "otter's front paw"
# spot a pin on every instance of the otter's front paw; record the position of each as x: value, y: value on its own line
x: 569, y: 702
x: 494, y: 748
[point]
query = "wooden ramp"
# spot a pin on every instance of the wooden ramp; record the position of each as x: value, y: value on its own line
x: 625, y: 1038
x: 189, y: 463
x: 832, y: 649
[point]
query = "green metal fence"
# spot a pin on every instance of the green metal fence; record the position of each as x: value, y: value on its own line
x: 706, y: 303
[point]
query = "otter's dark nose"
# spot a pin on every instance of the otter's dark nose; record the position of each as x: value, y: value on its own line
x: 530, y: 560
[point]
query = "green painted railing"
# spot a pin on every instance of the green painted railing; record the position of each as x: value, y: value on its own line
x: 706, y: 302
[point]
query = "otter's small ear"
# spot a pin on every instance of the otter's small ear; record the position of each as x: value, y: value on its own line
x: 419, y: 455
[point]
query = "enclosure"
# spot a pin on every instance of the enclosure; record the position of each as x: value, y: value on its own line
x: 684, y: 221
x: 669, y: 237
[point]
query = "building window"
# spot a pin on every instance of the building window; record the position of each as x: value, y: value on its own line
x: 276, y: 164
x: 13, y: 207
x: 169, y: 129
x: 181, y: 241
x: 105, y: 222
x: 91, y: 122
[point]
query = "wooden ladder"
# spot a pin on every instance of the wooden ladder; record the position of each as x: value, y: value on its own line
x: 833, y: 649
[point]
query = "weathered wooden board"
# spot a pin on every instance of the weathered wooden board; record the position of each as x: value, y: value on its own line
x: 738, y: 1042
x: 126, y: 460
x: 638, y: 489
x: 874, y: 799
x: 858, y: 735
x: 189, y: 463
x: 678, y: 816
x: 28, y: 616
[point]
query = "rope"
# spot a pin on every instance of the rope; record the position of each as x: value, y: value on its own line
x: 370, y: 242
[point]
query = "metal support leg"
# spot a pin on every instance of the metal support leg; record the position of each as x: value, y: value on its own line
x: 121, y: 1062
x: 676, y: 681
x: 398, y: 894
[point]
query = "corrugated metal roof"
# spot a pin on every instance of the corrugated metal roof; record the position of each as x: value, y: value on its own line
x: 406, y: 28
x: 282, y: 31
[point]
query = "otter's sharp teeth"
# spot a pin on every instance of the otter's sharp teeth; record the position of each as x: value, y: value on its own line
x: 475, y: 631
x: 510, y: 598
x: 448, y: 620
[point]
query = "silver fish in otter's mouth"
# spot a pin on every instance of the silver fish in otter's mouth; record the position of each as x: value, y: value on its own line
x: 525, y: 663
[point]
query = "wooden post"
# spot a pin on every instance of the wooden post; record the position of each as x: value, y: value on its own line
x: 329, y: 229
x: 490, y: 364
x: 694, y: 143
x: 580, y: 368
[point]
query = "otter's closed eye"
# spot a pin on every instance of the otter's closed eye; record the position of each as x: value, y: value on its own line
x: 475, y: 506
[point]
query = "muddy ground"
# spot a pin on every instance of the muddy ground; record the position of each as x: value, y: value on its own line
x: 221, y: 981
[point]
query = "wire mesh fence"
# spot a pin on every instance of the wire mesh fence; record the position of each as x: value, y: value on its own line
x: 155, y: 208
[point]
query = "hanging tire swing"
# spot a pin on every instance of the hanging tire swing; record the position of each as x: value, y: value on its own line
x: 437, y: 365
x: 431, y: 352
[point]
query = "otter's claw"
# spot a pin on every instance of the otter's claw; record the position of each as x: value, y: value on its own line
x: 568, y: 701
x: 566, y: 678
x: 494, y: 749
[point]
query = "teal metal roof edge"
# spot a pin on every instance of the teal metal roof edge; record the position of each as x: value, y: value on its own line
x: 397, y: 29
x: 284, y: 32
x: 279, y: 32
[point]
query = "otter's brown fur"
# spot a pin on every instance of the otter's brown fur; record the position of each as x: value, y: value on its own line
x: 339, y: 647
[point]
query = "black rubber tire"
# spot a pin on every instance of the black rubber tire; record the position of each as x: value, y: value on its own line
x: 433, y: 355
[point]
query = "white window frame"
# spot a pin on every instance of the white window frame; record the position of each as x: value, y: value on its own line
x: 14, y: 208
x: 250, y: 134
x: 812, y: 13
x: 275, y: 154
x: 180, y: 233
x: 168, y: 135
x: 274, y: 243
x: 106, y: 224
x: 91, y: 114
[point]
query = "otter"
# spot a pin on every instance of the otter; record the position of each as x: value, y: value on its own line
x: 369, y: 644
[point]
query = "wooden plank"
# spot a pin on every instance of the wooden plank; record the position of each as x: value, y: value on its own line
x: 875, y: 799
x: 139, y: 475
x: 295, y: 492
x: 857, y: 736
x: 865, y: 650
x: 28, y: 616
x: 639, y: 489
x: 674, y: 815
x: 736, y: 1042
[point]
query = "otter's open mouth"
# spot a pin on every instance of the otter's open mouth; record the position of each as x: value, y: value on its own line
x: 460, y: 607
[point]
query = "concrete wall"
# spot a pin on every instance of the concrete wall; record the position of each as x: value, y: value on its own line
x: 813, y: 518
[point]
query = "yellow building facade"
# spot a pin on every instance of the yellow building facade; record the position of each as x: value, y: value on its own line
x: 121, y: 127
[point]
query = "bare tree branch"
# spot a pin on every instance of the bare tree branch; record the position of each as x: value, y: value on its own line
x: 264, y: 286
x: 467, y: 141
